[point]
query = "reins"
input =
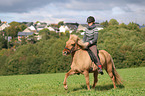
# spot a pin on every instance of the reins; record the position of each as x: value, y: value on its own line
x: 72, y: 49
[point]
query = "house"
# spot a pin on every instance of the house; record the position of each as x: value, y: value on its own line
x: 68, y: 27
x: 142, y: 26
x: 30, y: 29
x: 40, y: 26
x: 27, y: 23
x: 3, y: 25
x: 63, y: 28
x: 99, y: 27
x: 38, y: 36
x: 9, y: 38
x: 82, y: 27
x: 72, y: 27
x: 27, y: 30
x: 50, y: 28
x: 24, y: 34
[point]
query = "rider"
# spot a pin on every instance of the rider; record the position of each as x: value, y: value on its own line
x: 91, y: 36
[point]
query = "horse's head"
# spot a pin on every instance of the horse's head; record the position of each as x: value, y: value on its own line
x: 73, y: 44
x: 70, y: 45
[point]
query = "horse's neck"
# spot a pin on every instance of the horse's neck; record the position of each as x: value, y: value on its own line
x: 76, y: 52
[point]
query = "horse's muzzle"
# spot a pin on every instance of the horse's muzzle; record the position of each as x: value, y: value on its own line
x: 65, y: 52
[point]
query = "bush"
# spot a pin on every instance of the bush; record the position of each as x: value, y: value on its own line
x: 126, y: 46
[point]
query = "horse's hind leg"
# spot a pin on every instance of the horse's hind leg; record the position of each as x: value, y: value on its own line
x: 95, y: 78
x: 65, y: 79
x: 112, y: 78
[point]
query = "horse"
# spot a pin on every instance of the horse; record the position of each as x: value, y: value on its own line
x: 82, y: 63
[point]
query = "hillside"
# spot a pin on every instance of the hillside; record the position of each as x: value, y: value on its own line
x: 125, y: 44
x: 52, y: 84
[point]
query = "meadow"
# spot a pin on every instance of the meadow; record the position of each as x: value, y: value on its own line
x: 52, y: 84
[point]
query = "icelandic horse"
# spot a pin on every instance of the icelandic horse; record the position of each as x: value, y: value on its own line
x: 82, y: 63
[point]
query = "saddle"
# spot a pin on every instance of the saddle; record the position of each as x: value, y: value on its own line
x: 92, y: 56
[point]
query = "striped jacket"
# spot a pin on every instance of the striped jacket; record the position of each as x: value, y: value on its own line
x: 91, y: 35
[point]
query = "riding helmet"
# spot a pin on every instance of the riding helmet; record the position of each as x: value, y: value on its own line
x: 90, y: 19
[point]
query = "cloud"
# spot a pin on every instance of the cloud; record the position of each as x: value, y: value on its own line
x: 27, y: 5
x: 20, y: 6
x: 72, y: 10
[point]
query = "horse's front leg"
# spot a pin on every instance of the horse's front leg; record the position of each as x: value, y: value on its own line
x: 71, y: 72
x: 86, y: 74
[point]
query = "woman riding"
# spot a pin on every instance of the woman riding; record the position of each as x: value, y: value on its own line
x: 91, y: 37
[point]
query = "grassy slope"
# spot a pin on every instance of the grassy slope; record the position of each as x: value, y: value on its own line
x: 51, y: 84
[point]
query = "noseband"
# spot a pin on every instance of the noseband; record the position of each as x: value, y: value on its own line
x: 72, y: 49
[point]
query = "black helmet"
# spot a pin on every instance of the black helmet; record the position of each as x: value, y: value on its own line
x: 90, y: 19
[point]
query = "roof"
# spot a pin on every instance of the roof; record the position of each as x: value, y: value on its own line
x: 84, y: 25
x: 25, y: 33
x: 141, y: 27
x: 32, y: 28
x: 72, y: 27
x: 71, y: 24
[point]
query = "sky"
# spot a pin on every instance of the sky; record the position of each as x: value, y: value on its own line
x: 53, y: 11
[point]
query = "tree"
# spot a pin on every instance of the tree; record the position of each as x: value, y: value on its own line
x: 37, y: 22
x: 60, y: 23
x: 3, y: 42
x: 122, y: 25
x: 32, y: 38
x: 23, y: 27
x: 44, y: 33
x: 133, y: 26
x: 113, y: 22
x: 0, y: 21
x: 14, y: 28
x: 23, y: 40
x: 105, y: 24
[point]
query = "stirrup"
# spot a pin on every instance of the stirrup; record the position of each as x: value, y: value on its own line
x: 100, y: 71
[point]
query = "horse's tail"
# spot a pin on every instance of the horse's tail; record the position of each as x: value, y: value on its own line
x: 115, y: 73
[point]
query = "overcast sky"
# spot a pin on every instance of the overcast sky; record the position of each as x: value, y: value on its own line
x: 53, y: 11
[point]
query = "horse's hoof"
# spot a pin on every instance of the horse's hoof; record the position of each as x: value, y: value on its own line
x: 65, y: 87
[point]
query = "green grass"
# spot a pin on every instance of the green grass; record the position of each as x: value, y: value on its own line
x: 51, y: 84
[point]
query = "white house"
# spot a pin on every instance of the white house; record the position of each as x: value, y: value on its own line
x: 69, y: 28
x: 30, y: 29
x: 63, y: 29
x: 3, y: 26
x: 50, y: 28
x: 27, y: 30
x: 99, y: 28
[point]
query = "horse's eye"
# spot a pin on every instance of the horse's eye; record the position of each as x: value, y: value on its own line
x: 72, y: 44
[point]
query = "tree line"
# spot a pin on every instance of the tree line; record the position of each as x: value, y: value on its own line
x: 124, y: 42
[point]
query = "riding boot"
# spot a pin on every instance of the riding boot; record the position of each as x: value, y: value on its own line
x: 100, y: 69
x: 98, y: 63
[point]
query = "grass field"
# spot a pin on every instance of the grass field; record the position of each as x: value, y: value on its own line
x: 51, y: 84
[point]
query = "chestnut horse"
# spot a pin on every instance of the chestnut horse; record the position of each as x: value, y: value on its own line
x: 81, y: 62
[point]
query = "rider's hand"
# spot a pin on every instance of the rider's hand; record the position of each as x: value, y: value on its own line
x: 87, y: 43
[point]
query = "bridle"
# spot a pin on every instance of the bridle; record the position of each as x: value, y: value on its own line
x: 72, y: 49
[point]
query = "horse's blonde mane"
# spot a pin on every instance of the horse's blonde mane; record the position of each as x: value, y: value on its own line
x: 80, y: 41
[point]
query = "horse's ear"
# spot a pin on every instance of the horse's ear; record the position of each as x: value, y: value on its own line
x: 73, y: 37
